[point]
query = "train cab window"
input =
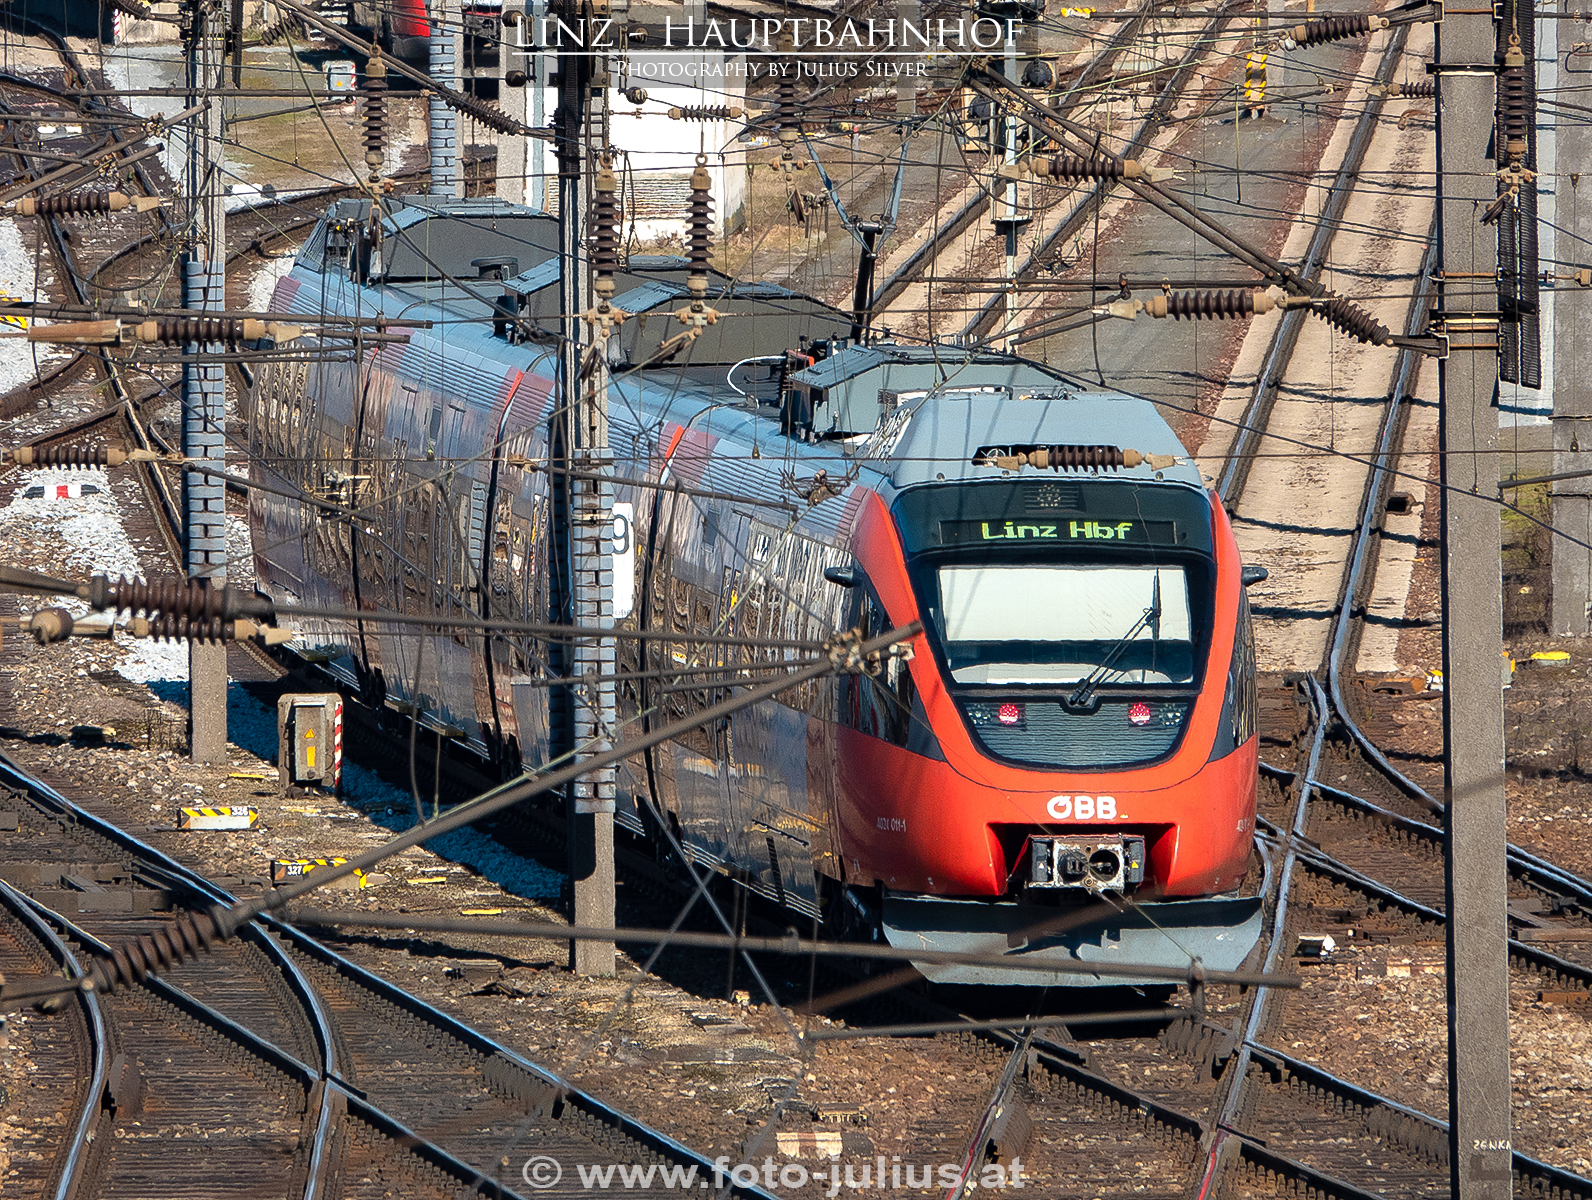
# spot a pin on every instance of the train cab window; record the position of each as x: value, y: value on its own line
x: 1071, y: 617
x: 1071, y: 621
x: 877, y: 704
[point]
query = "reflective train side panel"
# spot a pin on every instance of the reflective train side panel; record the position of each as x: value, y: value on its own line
x: 1075, y: 721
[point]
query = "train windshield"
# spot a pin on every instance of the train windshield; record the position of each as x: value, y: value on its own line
x: 1071, y: 619
x: 1063, y: 622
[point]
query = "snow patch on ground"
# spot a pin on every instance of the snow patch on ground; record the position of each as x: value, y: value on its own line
x: 90, y: 526
x: 21, y: 361
x: 83, y: 536
x: 240, y: 552
x: 263, y: 286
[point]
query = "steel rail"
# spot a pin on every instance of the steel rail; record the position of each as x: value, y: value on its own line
x: 1057, y: 1059
x: 1538, y: 960
x: 82, y: 1138
x: 1523, y: 867
x: 1247, y: 439
x: 984, y: 1126
x: 317, y: 1181
x: 60, y: 245
x: 1236, y: 1073
x: 50, y: 800
x: 1569, y: 1185
x: 906, y: 274
x: 1343, y: 639
x: 1096, y: 196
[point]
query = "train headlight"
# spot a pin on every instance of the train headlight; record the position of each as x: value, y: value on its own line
x: 1008, y: 714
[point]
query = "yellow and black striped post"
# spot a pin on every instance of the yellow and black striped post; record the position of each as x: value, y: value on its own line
x: 1255, y: 83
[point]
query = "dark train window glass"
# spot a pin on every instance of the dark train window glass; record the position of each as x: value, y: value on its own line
x: 1087, y: 514
x: 1074, y: 635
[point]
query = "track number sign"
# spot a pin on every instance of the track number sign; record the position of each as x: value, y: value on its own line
x: 624, y: 560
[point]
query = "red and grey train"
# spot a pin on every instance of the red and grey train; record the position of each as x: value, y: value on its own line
x: 1075, y: 724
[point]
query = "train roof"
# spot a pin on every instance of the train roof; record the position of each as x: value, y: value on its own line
x: 942, y: 440
x: 900, y: 416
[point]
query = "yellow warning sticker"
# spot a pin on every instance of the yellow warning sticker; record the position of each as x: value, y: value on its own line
x: 16, y: 320
x: 285, y: 870
x: 234, y: 817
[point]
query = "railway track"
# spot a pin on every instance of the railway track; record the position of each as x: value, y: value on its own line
x: 65, y: 1055
x: 1257, y: 1115
x: 922, y: 260
x: 325, y: 1054
x: 1266, y: 1117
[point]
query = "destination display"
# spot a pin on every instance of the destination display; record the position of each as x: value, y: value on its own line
x: 1023, y: 529
x: 1096, y: 514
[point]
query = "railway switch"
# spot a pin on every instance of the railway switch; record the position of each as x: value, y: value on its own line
x: 309, y: 732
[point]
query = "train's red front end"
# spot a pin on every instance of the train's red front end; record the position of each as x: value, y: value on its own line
x: 1072, y: 745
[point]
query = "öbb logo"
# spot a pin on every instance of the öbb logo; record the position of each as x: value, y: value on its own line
x: 1082, y: 808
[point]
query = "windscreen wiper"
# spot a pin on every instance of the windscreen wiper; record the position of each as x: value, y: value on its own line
x: 1083, y: 694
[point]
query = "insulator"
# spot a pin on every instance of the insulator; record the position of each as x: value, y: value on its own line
x: 179, y: 597
x: 1332, y: 29
x: 1219, y: 305
x: 69, y: 456
x: 137, y: 595
x: 699, y: 242
x: 515, y: 78
x: 173, y: 331
x: 1423, y: 89
x: 132, y: 961
x: 1083, y: 458
x: 605, y: 230
x: 1062, y: 166
x: 70, y: 203
x: 788, y: 116
x: 636, y: 95
x: 1354, y: 321
x: 374, y: 119
x: 1514, y: 115
x: 172, y: 628
x: 1068, y: 458
x: 705, y: 112
x: 790, y: 125
x: 477, y: 110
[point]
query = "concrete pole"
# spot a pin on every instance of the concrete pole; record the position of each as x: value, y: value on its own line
x: 511, y: 160
x: 1568, y: 204
x: 1009, y: 197
x: 1477, y: 819
x: 907, y: 13
x: 204, y: 386
x: 1277, y: 61
x: 536, y: 190
x: 447, y: 49
x: 583, y: 536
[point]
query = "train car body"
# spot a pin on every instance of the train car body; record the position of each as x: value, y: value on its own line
x: 1077, y: 720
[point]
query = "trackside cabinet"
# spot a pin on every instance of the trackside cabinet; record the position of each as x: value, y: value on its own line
x: 309, y: 738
